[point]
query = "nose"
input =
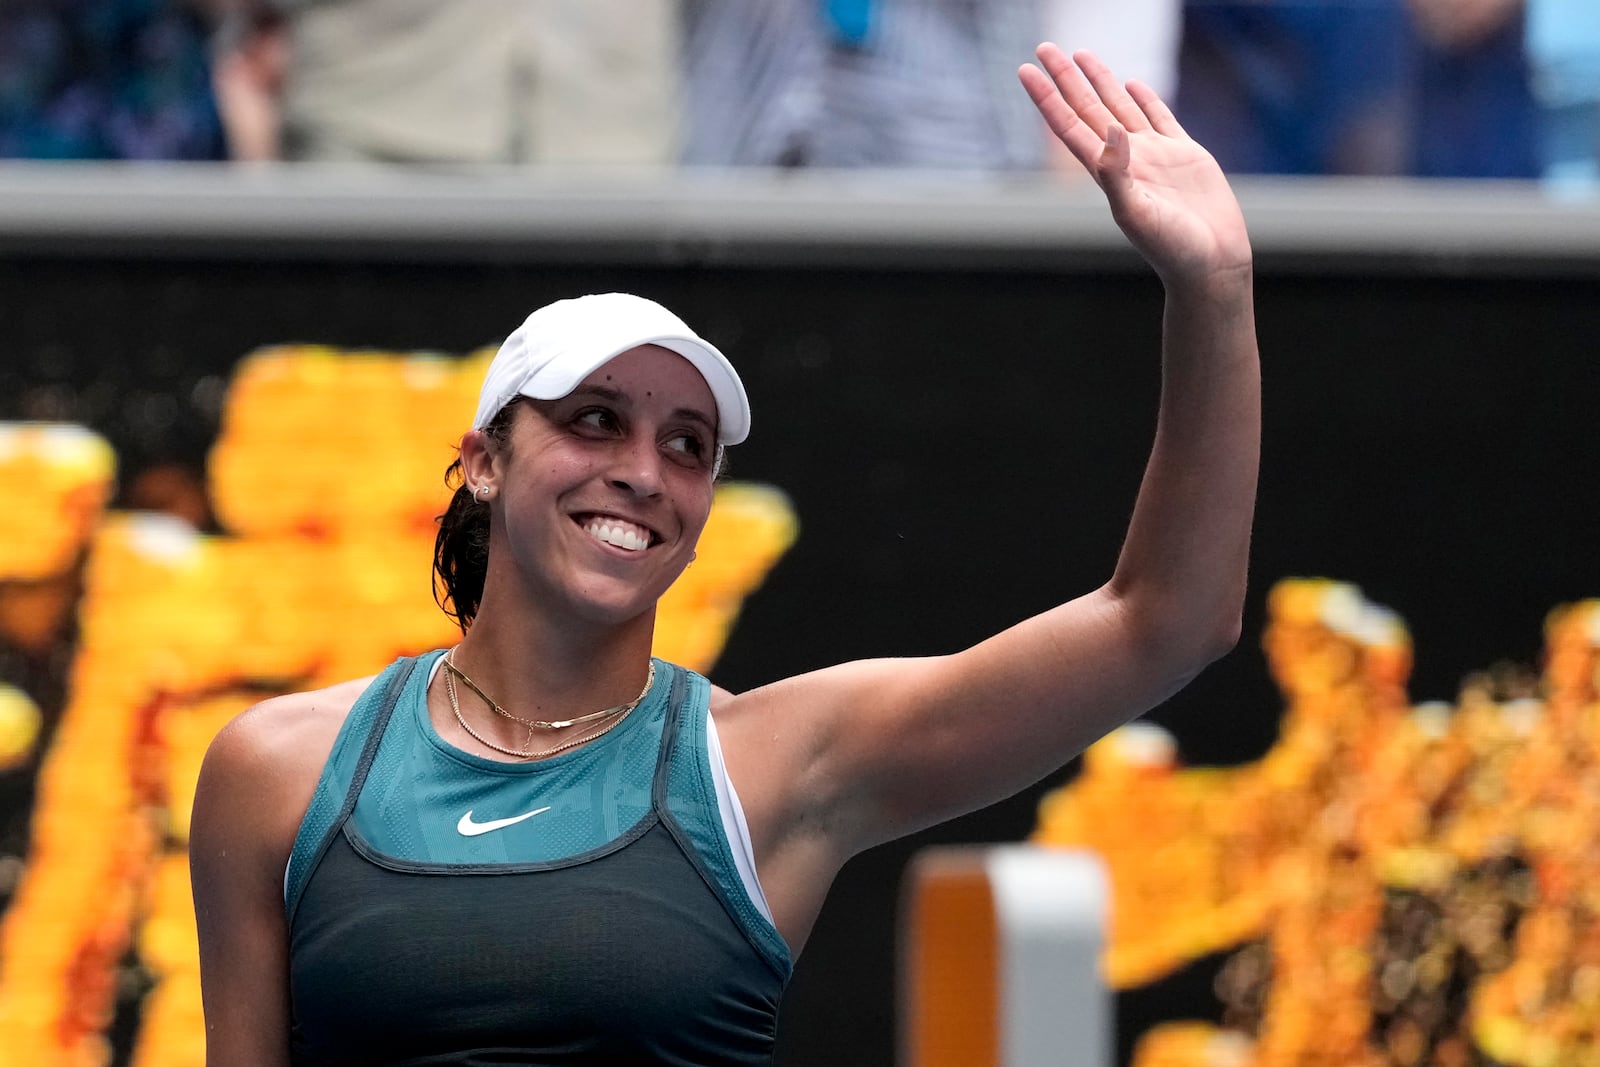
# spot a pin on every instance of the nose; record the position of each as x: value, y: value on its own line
x: 637, y: 469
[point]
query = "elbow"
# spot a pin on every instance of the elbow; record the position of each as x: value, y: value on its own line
x: 1185, y: 641
x: 1199, y: 647
x: 1188, y: 655
x: 1225, y: 636
x: 1217, y: 632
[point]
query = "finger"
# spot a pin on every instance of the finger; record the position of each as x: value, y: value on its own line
x: 1155, y: 109
x: 1112, y: 170
x: 1111, y: 93
x: 1115, y: 179
x: 1075, y: 89
x: 1081, y: 141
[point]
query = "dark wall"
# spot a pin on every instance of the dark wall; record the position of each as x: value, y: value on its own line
x: 962, y: 450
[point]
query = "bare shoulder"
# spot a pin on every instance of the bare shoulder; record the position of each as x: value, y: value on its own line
x: 262, y: 767
x: 742, y: 718
x: 770, y: 734
x: 288, y: 734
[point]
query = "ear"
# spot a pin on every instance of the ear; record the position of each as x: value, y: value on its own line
x: 479, y: 457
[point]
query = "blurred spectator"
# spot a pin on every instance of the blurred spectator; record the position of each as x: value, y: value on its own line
x: 1564, y: 52
x: 1296, y: 88
x: 455, y: 81
x: 251, y: 50
x: 106, y: 79
x: 1473, y: 115
x: 860, y: 83
x: 1432, y: 88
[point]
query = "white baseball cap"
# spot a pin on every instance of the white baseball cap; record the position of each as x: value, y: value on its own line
x: 561, y: 344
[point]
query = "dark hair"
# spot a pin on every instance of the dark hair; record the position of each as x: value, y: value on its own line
x: 461, y: 547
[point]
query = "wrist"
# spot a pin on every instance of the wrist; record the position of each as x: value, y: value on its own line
x: 1214, y: 285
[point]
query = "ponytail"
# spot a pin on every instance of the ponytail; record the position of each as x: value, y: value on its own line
x: 461, y: 547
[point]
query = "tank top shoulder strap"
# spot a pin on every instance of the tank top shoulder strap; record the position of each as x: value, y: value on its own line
x: 343, y: 775
x: 684, y: 796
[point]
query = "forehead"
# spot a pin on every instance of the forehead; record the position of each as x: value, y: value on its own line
x: 656, y: 374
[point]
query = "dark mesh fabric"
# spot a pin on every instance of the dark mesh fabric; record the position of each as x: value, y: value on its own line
x: 627, y: 959
x: 624, y: 953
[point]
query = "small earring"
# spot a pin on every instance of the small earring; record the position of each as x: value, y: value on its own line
x: 483, y: 491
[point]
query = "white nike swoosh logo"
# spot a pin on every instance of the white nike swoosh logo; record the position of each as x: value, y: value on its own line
x: 467, y: 828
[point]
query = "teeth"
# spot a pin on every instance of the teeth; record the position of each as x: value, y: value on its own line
x: 621, y: 534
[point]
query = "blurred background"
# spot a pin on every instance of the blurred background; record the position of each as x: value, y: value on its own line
x: 1433, y: 88
x: 251, y: 254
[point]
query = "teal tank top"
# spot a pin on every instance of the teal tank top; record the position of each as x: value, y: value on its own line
x: 445, y: 908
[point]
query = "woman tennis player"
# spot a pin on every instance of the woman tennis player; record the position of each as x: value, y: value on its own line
x: 542, y: 846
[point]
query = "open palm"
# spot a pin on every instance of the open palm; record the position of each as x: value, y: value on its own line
x: 1166, y: 192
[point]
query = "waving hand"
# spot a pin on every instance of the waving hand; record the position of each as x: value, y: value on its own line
x: 1165, y: 191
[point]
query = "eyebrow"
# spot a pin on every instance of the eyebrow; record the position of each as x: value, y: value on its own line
x: 617, y: 396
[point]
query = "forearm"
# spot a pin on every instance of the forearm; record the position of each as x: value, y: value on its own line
x: 1182, y: 571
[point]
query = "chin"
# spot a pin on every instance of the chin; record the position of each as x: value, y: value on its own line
x: 614, y: 606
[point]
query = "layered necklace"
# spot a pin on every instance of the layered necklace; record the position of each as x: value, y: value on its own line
x: 610, y: 717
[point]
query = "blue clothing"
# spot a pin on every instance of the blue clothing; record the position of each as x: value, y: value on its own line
x: 1475, y: 115
x: 106, y: 79
x: 1295, y: 88
x: 1284, y: 88
x: 848, y: 83
x: 450, y: 909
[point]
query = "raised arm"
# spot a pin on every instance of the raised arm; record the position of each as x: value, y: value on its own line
x: 854, y: 755
x: 1183, y: 565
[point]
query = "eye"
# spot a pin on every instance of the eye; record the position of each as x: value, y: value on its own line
x: 599, y: 419
x: 688, y: 444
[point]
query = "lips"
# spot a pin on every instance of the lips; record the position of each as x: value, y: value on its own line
x: 618, y: 532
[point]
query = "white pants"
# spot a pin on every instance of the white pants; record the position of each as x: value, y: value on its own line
x: 482, y: 81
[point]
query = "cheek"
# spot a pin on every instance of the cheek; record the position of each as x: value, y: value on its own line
x: 560, y: 472
x: 695, y: 508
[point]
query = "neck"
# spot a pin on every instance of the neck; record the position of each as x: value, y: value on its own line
x: 538, y: 668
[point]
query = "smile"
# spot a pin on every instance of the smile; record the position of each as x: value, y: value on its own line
x: 619, y: 533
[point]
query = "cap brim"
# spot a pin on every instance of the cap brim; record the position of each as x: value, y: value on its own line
x: 733, y: 406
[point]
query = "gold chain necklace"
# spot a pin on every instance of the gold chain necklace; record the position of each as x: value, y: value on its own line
x: 455, y: 708
x: 551, y: 724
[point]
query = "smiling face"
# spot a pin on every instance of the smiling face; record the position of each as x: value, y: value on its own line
x: 600, y: 496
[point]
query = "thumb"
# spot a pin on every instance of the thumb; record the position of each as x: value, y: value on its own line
x: 1115, y: 157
